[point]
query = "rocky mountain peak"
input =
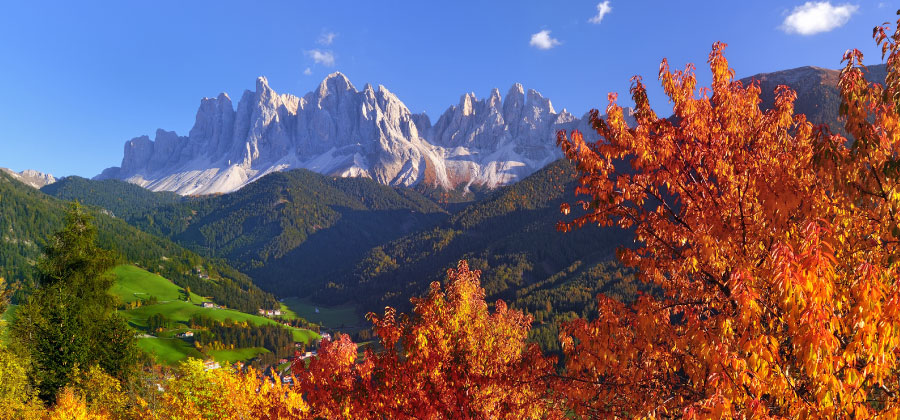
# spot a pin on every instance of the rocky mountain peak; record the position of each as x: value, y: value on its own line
x: 340, y: 131
x: 494, y: 99
x: 335, y: 83
x: 31, y: 177
x: 262, y: 84
x: 536, y: 100
x: 467, y: 104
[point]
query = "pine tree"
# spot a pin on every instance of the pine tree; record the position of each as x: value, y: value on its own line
x: 69, y: 319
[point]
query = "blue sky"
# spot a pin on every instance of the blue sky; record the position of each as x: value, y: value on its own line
x: 78, y: 79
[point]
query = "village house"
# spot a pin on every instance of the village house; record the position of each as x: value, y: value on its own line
x: 201, y: 274
x: 186, y: 334
x: 208, y: 305
x: 270, y: 312
x: 210, y: 365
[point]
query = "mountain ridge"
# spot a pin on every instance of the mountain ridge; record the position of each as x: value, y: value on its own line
x: 31, y: 177
x: 341, y: 131
x: 338, y: 130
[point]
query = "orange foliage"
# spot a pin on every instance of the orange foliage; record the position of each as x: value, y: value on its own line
x: 71, y: 406
x: 451, y: 359
x: 774, y: 243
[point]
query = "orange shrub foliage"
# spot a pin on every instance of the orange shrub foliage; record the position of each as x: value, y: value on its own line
x: 452, y: 358
x: 774, y: 242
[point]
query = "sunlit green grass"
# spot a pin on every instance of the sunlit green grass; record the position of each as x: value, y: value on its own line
x: 234, y: 355
x: 168, y: 350
x: 133, y: 283
x: 5, y: 320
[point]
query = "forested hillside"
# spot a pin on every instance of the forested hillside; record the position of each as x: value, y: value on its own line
x: 123, y: 199
x: 818, y: 96
x: 511, y: 236
x: 353, y: 240
x: 289, y: 230
x: 29, y: 217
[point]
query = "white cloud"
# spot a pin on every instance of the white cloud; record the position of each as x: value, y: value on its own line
x: 815, y: 17
x: 602, y: 9
x: 325, y: 58
x: 327, y: 38
x: 308, y: 71
x: 542, y: 40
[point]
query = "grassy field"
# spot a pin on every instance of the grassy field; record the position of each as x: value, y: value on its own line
x: 10, y: 310
x: 235, y: 355
x: 168, y: 350
x: 179, y: 311
x: 7, y: 318
x: 328, y: 316
x: 133, y: 283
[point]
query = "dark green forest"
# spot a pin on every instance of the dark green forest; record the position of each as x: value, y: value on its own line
x: 28, y: 217
x: 289, y: 231
x: 298, y: 233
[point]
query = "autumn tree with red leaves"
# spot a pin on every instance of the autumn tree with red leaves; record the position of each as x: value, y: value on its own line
x: 451, y: 358
x: 774, y: 243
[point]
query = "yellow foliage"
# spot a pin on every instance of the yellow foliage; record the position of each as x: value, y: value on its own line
x: 71, y: 406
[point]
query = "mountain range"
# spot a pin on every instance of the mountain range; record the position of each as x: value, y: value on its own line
x: 341, y: 131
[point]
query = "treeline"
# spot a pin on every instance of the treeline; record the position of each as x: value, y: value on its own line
x: 123, y: 199
x: 217, y: 335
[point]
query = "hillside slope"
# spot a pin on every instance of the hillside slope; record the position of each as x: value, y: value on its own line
x: 147, y: 295
x: 124, y: 200
x: 290, y: 230
x: 28, y: 217
x: 511, y: 236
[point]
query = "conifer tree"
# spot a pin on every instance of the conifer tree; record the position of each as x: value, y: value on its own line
x: 69, y: 321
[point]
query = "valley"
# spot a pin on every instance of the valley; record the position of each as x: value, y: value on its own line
x: 335, y: 210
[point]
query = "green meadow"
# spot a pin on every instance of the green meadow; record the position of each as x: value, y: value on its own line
x: 133, y: 284
x: 235, y: 355
x: 168, y: 350
x: 6, y: 318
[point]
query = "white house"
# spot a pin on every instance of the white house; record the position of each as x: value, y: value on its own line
x: 270, y: 312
